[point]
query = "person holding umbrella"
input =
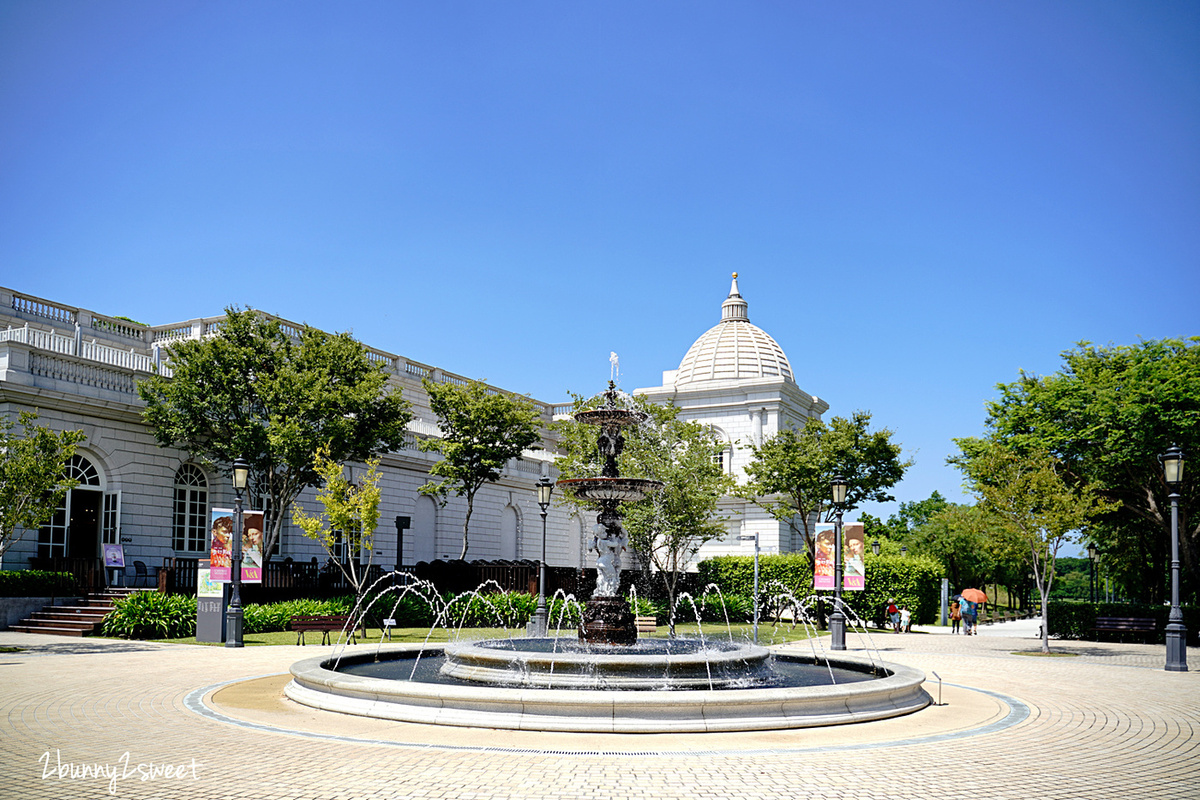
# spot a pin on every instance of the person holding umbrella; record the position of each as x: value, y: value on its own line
x: 969, y: 605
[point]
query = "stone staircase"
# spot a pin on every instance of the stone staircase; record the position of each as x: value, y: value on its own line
x: 76, y: 620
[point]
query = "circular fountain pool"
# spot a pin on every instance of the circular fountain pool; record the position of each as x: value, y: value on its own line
x: 408, y: 684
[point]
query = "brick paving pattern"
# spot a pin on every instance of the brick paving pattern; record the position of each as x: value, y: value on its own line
x: 1107, y: 723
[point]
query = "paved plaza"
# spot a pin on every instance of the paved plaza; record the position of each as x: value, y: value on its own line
x: 92, y: 718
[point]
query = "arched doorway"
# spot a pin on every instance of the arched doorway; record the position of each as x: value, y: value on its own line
x: 74, y: 530
x: 86, y: 517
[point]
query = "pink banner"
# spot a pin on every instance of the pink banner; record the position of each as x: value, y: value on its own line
x: 823, y: 568
x: 220, y: 551
x: 854, y: 576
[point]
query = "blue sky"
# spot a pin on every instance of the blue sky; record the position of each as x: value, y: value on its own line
x: 920, y: 198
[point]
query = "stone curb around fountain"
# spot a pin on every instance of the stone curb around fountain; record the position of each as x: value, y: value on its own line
x: 601, y: 711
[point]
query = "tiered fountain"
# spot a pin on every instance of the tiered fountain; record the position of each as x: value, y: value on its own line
x: 607, y: 680
x: 607, y: 618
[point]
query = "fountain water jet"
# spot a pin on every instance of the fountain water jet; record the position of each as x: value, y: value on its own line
x: 609, y: 681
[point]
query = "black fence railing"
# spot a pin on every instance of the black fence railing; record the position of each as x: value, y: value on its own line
x: 88, y: 573
x: 289, y: 579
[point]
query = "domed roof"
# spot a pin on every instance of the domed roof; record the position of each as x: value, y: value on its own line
x: 734, y: 349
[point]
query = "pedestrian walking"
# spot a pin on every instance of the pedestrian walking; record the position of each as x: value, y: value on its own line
x: 893, y: 614
x: 955, y: 616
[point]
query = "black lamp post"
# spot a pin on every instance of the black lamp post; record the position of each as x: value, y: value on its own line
x: 1093, y: 554
x: 837, y: 620
x: 545, y: 487
x: 233, y: 614
x: 1172, y: 462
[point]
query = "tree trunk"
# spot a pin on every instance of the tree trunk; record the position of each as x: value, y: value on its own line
x: 1045, y: 620
x: 467, y: 525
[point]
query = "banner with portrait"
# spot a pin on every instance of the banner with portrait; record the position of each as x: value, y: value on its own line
x: 221, y: 549
x: 823, y: 566
x: 854, y: 576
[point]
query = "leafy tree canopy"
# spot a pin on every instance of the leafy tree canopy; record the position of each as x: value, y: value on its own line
x: 346, y: 528
x: 1036, y: 510
x: 255, y: 392
x: 791, y: 472
x: 32, y: 484
x: 481, y: 430
x: 1106, y: 416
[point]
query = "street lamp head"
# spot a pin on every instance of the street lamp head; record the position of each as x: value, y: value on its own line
x: 875, y: 546
x: 839, y: 486
x: 1092, y: 550
x: 1172, y: 462
x: 903, y: 550
x: 545, y: 488
x: 241, y: 473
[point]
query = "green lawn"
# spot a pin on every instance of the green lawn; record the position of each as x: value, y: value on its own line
x: 766, y: 635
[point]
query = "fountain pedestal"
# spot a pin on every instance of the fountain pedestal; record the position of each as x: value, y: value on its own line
x: 607, y: 620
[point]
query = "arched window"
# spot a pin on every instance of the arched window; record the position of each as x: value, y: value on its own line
x: 424, y: 530
x: 190, y: 528
x: 508, y: 533
x: 80, y: 470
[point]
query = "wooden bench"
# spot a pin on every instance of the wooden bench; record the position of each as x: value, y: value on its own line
x: 325, y: 623
x: 1143, y: 625
x: 646, y: 624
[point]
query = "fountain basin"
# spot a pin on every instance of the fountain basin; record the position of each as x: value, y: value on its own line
x: 648, y: 664
x: 897, y: 692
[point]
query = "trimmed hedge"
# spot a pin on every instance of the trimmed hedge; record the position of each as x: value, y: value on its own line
x: 913, y: 581
x: 1075, y: 619
x: 36, y: 583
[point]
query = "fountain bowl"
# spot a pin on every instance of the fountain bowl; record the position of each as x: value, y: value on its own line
x: 897, y: 692
x: 626, y: 490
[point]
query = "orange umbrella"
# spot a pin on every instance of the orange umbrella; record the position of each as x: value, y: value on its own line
x: 974, y: 595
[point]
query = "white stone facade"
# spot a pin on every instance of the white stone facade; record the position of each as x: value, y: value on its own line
x: 78, y: 370
x: 738, y: 380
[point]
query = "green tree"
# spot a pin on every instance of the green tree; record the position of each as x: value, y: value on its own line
x: 32, y: 484
x: 669, y: 527
x: 256, y: 392
x: 790, y: 474
x: 481, y: 430
x: 1106, y: 415
x: 1036, y: 509
x: 346, y: 528
x: 959, y: 536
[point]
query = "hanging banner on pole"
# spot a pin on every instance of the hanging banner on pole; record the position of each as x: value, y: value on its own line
x: 823, y: 567
x: 221, y: 550
x: 855, y: 577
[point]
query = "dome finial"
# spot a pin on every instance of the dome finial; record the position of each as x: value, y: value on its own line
x: 734, y: 307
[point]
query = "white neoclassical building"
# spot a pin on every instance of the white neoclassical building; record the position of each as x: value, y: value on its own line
x: 78, y: 369
x: 737, y: 379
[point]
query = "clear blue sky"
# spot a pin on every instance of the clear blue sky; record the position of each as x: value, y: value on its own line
x: 921, y: 198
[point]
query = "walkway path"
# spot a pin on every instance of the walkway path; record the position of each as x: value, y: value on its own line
x: 1106, y: 722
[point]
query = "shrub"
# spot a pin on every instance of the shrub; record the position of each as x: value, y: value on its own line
x: 912, y: 581
x: 36, y: 583
x: 498, y: 610
x: 151, y: 615
x: 1076, y: 619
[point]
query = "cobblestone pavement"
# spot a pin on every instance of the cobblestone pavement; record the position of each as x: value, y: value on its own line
x: 1106, y: 722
